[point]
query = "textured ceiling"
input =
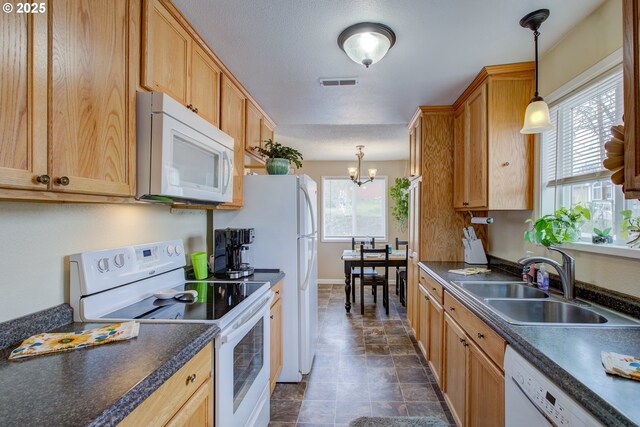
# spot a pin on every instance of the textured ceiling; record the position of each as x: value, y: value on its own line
x: 279, y: 49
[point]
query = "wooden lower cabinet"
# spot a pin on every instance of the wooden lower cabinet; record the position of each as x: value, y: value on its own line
x: 455, y: 369
x: 275, y: 353
x: 185, y: 399
x: 423, y: 338
x: 486, y: 390
x: 436, y: 350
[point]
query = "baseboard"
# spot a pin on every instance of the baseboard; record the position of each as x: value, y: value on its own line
x: 341, y: 281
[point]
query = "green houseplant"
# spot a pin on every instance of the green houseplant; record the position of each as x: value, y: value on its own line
x: 557, y: 228
x: 279, y: 157
x: 399, y: 192
x: 601, y: 236
x: 630, y: 228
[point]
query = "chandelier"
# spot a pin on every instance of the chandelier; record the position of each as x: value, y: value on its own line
x: 355, y: 174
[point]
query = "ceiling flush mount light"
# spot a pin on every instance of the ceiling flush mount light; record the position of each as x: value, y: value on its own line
x: 536, y: 118
x: 367, y: 42
x: 354, y: 173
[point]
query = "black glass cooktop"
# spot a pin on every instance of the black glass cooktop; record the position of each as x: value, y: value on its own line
x: 214, y: 301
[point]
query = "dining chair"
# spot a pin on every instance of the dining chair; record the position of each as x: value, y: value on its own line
x: 355, y: 271
x: 401, y: 272
x: 377, y: 279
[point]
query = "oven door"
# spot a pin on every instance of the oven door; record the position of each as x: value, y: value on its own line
x: 187, y: 164
x: 242, y: 369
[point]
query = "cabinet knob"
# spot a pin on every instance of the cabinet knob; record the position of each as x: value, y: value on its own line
x: 277, y: 292
x: 190, y: 107
x: 465, y: 203
x: 506, y: 164
x: 271, y: 317
x: 195, y: 110
x: 480, y: 336
x: 452, y: 308
x: 63, y: 180
x: 426, y: 297
x: 190, y: 379
x: 461, y: 339
x: 43, y: 179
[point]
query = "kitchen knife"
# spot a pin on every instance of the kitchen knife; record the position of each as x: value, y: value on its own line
x: 472, y: 233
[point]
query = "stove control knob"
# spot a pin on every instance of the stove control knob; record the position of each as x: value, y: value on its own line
x: 118, y: 260
x: 170, y: 250
x: 520, y: 378
x: 178, y: 250
x: 103, y: 265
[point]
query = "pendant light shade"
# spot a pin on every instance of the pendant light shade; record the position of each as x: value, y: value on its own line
x: 367, y: 42
x: 536, y: 117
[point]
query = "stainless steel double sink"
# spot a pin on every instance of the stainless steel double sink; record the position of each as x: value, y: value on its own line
x: 520, y: 304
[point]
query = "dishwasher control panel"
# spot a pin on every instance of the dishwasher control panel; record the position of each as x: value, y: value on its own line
x: 528, y: 390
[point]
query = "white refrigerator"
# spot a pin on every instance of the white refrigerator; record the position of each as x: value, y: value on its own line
x: 283, y: 211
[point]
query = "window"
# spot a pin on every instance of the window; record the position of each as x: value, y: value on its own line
x: 573, y: 152
x: 352, y: 211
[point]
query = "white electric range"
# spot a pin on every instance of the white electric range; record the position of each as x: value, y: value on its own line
x: 118, y: 284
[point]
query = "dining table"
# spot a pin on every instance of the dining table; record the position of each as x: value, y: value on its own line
x: 351, y: 258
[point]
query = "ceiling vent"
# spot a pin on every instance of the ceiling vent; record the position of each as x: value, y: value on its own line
x: 348, y: 81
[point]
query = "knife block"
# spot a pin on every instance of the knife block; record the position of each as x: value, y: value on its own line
x: 476, y: 254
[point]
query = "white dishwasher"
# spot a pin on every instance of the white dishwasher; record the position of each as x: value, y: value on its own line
x: 532, y: 400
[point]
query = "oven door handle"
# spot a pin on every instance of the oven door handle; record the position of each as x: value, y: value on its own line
x: 244, y: 325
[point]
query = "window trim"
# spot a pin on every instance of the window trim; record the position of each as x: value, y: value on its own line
x: 610, y: 249
x: 324, y: 239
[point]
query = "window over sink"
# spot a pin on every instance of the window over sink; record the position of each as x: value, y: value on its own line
x: 352, y: 211
x: 573, y: 150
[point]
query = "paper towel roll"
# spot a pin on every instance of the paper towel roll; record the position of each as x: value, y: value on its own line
x: 482, y: 220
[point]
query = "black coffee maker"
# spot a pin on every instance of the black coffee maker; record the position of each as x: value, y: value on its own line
x: 230, y: 252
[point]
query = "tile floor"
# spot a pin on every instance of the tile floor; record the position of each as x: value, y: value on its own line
x: 364, y: 365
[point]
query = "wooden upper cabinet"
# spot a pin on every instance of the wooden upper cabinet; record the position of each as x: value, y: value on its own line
x: 254, y: 129
x: 167, y: 50
x: 631, y: 67
x: 204, y: 85
x: 23, y: 141
x: 493, y: 161
x: 476, y: 165
x: 92, y: 97
x: 266, y: 130
x: 232, y: 122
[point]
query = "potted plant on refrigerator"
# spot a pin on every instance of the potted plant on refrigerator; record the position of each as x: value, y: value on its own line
x: 279, y: 157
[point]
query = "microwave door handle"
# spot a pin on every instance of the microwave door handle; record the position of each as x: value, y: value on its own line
x: 226, y: 166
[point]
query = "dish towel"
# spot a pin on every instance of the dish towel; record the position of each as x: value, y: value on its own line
x: 619, y: 364
x: 66, y: 341
x: 470, y: 271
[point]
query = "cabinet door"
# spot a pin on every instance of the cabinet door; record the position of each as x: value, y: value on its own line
x: 276, y: 342
x: 436, y: 320
x: 485, y: 389
x: 424, y: 321
x: 92, y: 97
x: 232, y: 122
x: 412, y: 152
x: 166, y: 52
x: 23, y: 142
x: 197, y: 411
x: 204, y: 85
x: 415, y: 143
x: 266, y: 131
x: 476, y: 160
x: 455, y: 369
x: 459, y: 158
x: 253, y: 128
x: 631, y: 55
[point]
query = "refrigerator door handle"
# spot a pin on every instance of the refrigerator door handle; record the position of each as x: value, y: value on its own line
x: 311, y: 212
x: 305, y: 284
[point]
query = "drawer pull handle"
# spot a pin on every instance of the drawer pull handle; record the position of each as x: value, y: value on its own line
x: 271, y: 317
x: 190, y: 379
x: 461, y: 339
x: 277, y: 292
x: 434, y: 289
x: 506, y: 164
x: 480, y: 336
x: 43, y: 179
x: 452, y: 308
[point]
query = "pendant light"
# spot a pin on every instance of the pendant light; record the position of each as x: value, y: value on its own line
x: 354, y: 173
x: 536, y: 117
x: 367, y: 42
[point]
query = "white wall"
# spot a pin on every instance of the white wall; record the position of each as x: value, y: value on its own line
x: 330, y: 267
x: 595, y: 38
x: 36, y: 239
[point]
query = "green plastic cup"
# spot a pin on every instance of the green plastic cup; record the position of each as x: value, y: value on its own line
x: 199, y: 262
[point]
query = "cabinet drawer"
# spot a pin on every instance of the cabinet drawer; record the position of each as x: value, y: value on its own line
x: 277, y: 291
x: 485, y: 337
x: 165, y: 402
x: 430, y: 284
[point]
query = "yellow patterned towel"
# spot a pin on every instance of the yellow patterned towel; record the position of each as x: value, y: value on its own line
x: 66, y: 341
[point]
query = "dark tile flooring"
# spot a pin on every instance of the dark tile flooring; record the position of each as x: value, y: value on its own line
x: 364, y: 366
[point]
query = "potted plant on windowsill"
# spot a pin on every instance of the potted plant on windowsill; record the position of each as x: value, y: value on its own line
x: 560, y: 227
x: 279, y: 157
x: 630, y: 228
x: 601, y: 237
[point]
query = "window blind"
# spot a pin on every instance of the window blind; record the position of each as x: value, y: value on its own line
x: 574, y: 147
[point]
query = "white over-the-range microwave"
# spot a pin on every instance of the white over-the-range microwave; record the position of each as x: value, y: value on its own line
x: 181, y: 157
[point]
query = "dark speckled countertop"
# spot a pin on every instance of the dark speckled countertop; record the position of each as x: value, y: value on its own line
x: 568, y: 355
x: 97, y: 386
